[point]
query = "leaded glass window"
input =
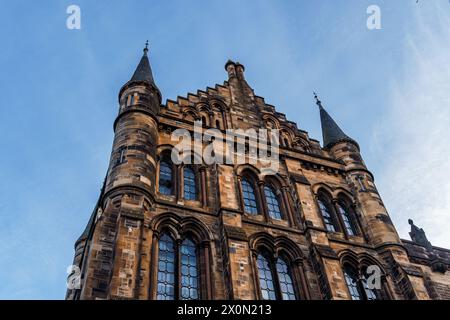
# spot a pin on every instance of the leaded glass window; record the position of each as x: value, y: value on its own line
x: 189, y: 271
x: 248, y: 192
x: 166, y: 269
x: 178, y: 273
x: 285, y: 280
x: 371, y: 294
x: 326, y: 214
x: 351, y: 278
x: 265, y: 278
x: 190, y: 184
x: 346, y: 218
x: 165, y: 178
x: 273, y: 205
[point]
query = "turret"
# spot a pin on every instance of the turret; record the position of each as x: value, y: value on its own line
x: 379, y: 227
x: 133, y: 158
x: 127, y: 195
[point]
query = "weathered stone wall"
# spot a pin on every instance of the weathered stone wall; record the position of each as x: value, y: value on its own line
x: 119, y: 258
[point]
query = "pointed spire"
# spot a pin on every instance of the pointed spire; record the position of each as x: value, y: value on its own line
x: 143, y: 71
x: 331, y: 132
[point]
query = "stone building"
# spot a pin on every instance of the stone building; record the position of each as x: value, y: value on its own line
x: 317, y: 229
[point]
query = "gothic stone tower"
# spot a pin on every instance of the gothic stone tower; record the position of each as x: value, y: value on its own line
x: 315, y: 230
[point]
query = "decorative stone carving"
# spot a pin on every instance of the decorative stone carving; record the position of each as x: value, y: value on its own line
x: 418, y: 236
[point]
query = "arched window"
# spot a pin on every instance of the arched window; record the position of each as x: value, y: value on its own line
x: 275, y: 282
x: 266, y: 282
x: 165, y: 177
x: 189, y: 271
x: 178, y: 276
x: 249, y: 197
x: 190, y: 183
x: 371, y: 294
x: 166, y: 269
x: 273, y: 205
x: 218, y: 126
x: 285, y: 280
x: 325, y: 210
x: 347, y: 219
x: 358, y: 288
x: 132, y: 99
x: 351, y: 279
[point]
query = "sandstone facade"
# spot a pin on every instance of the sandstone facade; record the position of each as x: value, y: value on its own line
x: 151, y: 237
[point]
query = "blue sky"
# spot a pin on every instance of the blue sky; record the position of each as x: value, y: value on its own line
x: 387, y: 88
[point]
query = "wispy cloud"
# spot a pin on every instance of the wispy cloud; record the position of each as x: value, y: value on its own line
x: 415, y: 178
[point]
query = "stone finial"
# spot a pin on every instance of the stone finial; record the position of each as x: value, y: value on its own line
x: 318, y: 102
x: 146, y: 47
x: 418, y: 235
x: 235, y: 69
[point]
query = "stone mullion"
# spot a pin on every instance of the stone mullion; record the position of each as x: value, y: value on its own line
x: 322, y: 218
x: 225, y: 120
x: 154, y: 266
x: 240, y: 193
x: 358, y: 223
x: 276, y: 281
x: 254, y: 258
x: 361, y: 284
x: 262, y: 200
x: 287, y: 206
x: 211, y: 119
x: 177, y: 264
x: 338, y: 217
x: 178, y: 189
x: 207, y: 262
x: 204, y: 196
